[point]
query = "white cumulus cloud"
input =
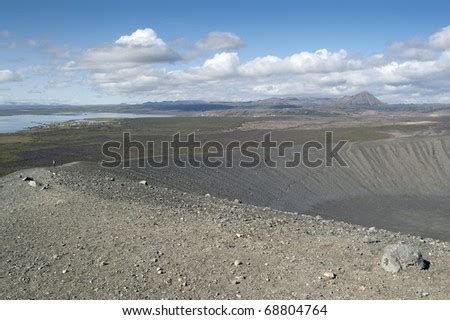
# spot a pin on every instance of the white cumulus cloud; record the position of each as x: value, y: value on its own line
x: 134, y: 64
x: 441, y: 39
x: 142, y: 47
x: 141, y: 37
x: 303, y: 62
x: 221, y: 65
x: 217, y: 40
x: 411, y: 50
x: 8, y: 76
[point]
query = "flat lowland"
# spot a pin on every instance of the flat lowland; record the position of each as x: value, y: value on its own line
x: 82, y: 141
x: 94, y: 233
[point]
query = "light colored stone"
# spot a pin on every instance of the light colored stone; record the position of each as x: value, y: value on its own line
x: 399, y: 256
x: 370, y: 239
x: 329, y: 275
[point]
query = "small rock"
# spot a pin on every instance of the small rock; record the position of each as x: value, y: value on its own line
x: 237, y: 279
x: 399, y: 256
x: 65, y: 271
x: 207, y: 195
x: 237, y: 201
x: 369, y: 239
x: 329, y: 275
x: 318, y: 217
x: 422, y: 294
x: 237, y: 263
x: 429, y: 241
x: 32, y: 183
x: 27, y: 179
x: 144, y: 182
x: 372, y: 229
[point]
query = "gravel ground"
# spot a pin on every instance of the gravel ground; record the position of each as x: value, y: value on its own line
x: 100, y: 234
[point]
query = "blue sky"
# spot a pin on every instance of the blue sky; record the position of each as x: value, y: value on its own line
x: 67, y: 51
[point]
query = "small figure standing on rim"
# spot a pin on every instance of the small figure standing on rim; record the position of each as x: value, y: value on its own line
x: 54, y: 163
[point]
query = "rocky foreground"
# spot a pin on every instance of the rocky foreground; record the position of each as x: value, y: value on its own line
x: 82, y: 232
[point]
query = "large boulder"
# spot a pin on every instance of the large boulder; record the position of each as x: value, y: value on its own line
x: 399, y: 256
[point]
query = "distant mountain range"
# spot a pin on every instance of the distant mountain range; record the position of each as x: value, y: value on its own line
x: 304, y: 105
x: 175, y: 102
x: 361, y: 99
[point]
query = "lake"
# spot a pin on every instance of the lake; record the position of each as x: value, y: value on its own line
x: 15, y: 123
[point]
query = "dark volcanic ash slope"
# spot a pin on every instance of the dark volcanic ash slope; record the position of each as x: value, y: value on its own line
x: 96, y: 234
x: 399, y: 184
